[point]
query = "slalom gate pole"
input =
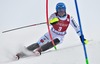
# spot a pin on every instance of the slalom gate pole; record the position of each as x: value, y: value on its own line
x: 24, y: 27
x: 84, y: 47
x: 48, y: 25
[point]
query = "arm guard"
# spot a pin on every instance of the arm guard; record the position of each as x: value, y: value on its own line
x: 54, y: 21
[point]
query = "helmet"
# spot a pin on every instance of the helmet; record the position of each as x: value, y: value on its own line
x: 60, y: 6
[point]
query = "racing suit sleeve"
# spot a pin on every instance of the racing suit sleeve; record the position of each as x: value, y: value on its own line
x: 75, y: 26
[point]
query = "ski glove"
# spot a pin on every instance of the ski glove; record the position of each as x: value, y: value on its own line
x: 54, y: 21
x: 85, y: 40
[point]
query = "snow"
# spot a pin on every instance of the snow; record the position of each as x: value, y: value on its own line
x: 70, y: 54
x: 16, y: 13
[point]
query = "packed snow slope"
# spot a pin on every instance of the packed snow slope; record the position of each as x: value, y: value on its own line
x: 17, y: 13
x: 72, y: 54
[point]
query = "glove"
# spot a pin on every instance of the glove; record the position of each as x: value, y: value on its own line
x: 54, y: 21
x: 85, y: 40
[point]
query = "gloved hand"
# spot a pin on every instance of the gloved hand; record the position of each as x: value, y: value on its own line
x: 54, y: 21
x: 85, y: 40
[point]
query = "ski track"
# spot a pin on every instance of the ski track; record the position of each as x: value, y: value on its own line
x: 62, y: 55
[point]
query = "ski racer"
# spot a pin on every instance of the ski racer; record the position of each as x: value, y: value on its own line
x: 59, y: 20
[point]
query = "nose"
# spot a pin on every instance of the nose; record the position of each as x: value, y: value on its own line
x: 61, y: 10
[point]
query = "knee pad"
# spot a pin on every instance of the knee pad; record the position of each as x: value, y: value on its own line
x: 50, y: 45
x: 33, y: 46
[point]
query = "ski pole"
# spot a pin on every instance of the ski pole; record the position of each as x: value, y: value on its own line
x: 23, y: 27
x: 84, y: 47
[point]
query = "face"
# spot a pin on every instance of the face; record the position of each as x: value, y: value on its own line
x: 61, y: 12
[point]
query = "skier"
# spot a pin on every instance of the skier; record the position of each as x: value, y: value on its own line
x: 59, y: 21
